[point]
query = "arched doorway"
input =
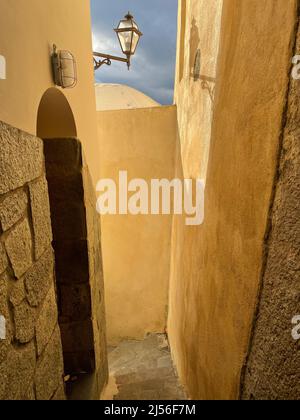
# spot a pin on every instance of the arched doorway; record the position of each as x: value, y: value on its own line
x: 79, y: 282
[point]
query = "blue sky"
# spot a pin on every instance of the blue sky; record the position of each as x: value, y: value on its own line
x: 153, y: 66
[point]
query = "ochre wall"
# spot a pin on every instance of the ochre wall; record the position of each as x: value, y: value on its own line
x: 215, y: 268
x: 28, y: 29
x: 136, y: 249
x: 198, y: 29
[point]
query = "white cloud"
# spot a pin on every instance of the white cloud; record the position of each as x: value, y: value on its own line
x: 104, y: 43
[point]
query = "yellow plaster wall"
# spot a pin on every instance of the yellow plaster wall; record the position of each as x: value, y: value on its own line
x: 28, y: 29
x: 215, y: 268
x: 136, y: 249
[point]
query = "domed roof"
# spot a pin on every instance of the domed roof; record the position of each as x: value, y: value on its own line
x: 114, y: 96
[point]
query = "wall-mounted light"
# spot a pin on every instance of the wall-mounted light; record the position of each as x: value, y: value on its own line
x: 129, y: 35
x: 64, y: 68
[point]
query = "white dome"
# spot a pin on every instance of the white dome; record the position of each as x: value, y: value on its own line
x: 113, y: 96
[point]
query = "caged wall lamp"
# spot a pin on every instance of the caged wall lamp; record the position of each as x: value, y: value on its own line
x: 129, y: 35
x: 64, y: 68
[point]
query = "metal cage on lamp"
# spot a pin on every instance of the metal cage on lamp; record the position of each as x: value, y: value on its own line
x: 64, y: 68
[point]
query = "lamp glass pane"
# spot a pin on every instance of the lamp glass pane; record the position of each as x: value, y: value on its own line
x: 125, y: 41
x: 135, y: 41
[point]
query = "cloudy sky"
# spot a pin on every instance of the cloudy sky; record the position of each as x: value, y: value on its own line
x: 153, y: 65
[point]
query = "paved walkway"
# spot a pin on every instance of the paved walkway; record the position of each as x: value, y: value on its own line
x: 143, y: 370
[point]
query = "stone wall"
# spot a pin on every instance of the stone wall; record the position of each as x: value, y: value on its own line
x: 273, y: 368
x: 31, y: 362
x: 77, y: 245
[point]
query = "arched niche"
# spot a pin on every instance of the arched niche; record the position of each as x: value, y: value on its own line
x: 55, y: 118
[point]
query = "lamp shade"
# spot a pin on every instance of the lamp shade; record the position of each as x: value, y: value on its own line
x: 129, y: 35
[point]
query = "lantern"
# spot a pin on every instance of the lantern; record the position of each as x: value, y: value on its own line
x: 129, y: 35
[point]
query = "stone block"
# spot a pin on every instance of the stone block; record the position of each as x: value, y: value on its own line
x: 21, y: 158
x: 69, y: 220
x: 50, y: 371
x: 64, y: 175
x: 4, y: 279
x: 30, y: 394
x: 3, y: 259
x: 4, y: 312
x: 12, y: 209
x: 47, y: 321
x: 19, y: 248
x: 77, y: 336
x: 40, y: 209
x: 89, y: 190
x: 63, y: 152
x: 25, y: 319
x: 72, y: 263
x: 39, y: 279
x: 20, y: 368
x: 17, y: 293
x: 79, y: 362
x: 4, y: 380
x: 65, y: 185
x: 75, y: 302
x: 60, y: 394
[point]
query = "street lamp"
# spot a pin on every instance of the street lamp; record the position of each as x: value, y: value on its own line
x: 129, y: 35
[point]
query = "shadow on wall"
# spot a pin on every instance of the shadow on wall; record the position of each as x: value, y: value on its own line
x: 55, y: 117
x: 194, y: 45
x: 207, y: 82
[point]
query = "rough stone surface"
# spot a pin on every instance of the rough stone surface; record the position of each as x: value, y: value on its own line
x: 30, y: 394
x: 47, y: 321
x: 70, y: 220
x: 19, y: 248
x: 3, y: 382
x: 21, y: 158
x: 78, y: 270
x: 17, y: 293
x: 3, y: 259
x: 79, y: 361
x: 49, y: 372
x: 25, y: 319
x: 4, y: 311
x: 12, y: 208
x: 273, y: 368
x: 77, y: 336
x: 20, y: 369
x: 39, y: 279
x: 75, y: 302
x: 61, y: 151
x: 27, y: 296
x: 60, y: 394
x: 66, y: 253
x: 40, y: 209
